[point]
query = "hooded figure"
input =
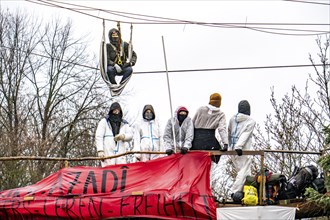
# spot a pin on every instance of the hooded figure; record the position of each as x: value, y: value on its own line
x: 113, y: 136
x: 183, y: 131
x: 207, y: 121
x: 117, y: 57
x: 147, y: 135
x: 240, y: 130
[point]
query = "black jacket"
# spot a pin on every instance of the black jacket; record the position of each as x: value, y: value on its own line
x: 112, y: 55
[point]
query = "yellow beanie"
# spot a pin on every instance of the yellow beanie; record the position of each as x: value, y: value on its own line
x: 215, y: 100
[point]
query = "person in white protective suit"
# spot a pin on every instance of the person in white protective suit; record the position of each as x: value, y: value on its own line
x: 240, y: 130
x: 183, y: 132
x: 147, y: 135
x: 113, y: 136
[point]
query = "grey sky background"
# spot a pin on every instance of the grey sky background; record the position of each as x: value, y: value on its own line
x: 191, y: 47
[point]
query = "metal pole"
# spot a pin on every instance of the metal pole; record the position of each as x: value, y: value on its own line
x: 262, y: 187
x: 169, y: 95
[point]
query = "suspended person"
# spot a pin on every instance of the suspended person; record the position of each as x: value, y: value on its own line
x: 207, y: 120
x: 183, y: 132
x: 113, y: 136
x: 147, y: 135
x: 118, y: 60
x: 240, y: 130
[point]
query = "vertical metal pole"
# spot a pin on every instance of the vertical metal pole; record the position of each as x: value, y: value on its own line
x: 262, y: 186
x: 169, y: 95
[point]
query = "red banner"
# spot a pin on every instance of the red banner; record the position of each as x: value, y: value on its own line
x: 171, y: 187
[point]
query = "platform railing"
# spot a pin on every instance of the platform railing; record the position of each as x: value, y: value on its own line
x: 261, y: 153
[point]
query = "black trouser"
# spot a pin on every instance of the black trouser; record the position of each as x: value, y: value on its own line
x: 204, y: 139
x: 126, y: 72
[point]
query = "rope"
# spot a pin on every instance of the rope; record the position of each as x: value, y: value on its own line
x: 103, y: 58
x: 130, y: 46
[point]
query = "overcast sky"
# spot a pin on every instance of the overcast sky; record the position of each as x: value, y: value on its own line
x: 199, y: 47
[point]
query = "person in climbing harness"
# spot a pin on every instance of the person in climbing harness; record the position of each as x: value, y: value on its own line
x: 183, y: 132
x: 207, y: 121
x: 240, y: 130
x: 118, y: 62
x: 113, y: 136
x: 148, y: 135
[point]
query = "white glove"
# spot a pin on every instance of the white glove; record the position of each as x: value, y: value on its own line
x: 118, y: 68
x: 100, y: 153
x: 119, y: 137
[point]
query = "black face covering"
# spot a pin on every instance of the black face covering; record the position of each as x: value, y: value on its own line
x: 115, y: 119
x: 114, y: 40
x: 181, y: 118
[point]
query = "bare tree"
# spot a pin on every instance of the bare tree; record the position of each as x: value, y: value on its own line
x: 18, y: 38
x: 299, y: 119
x: 296, y: 124
x: 51, y: 100
x: 67, y: 101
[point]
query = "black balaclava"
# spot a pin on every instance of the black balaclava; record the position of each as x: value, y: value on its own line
x: 115, y: 41
x: 145, y: 115
x: 244, y: 107
x: 181, y: 118
x: 115, y: 120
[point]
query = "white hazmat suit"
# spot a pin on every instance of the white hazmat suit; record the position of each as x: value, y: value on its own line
x: 113, y: 136
x: 240, y: 131
x: 147, y: 135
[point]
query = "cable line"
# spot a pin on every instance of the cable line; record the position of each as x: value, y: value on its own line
x: 162, y: 20
x: 318, y: 3
x: 174, y: 21
x: 236, y: 68
x: 184, y: 70
x: 180, y: 71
